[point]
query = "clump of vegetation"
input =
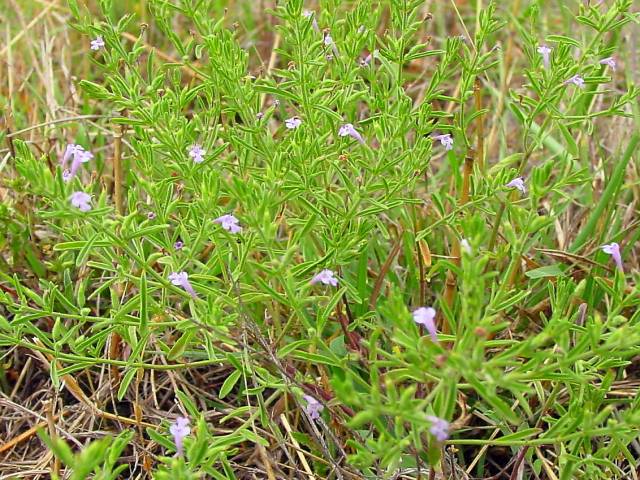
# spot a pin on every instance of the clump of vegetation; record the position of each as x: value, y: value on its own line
x: 373, y: 239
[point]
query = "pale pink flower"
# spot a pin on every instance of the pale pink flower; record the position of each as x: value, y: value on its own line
x: 426, y: 316
x: 293, y: 123
x: 98, y: 43
x: 546, y: 54
x: 610, y: 61
x: 518, y: 183
x: 81, y: 200
x: 181, y: 279
x: 613, y: 249
x: 439, y: 428
x: 313, y: 407
x: 196, y: 152
x: 326, y: 277
x: 445, y: 140
x: 229, y: 223
x: 349, y: 130
x: 180, y: 430
x: 577, y: 80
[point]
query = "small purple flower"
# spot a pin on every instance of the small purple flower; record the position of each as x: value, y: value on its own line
x: 181, y: 279
x: 518, y: 183
x: 426, y: 316
x: 98, y: 43
x: 312, y: 15
x: 326, y: 277
x: 349, y: 130
x: 79, y: 158
x: 328, y: 40
x: 196, y: 152
x: 259, y: 116
x: 81, y: 200
x: 546, y: 54
x: 613, y: 249
x: 313, y: 407
x: 178, y: 245
x: 151, y: 215
x: 293, y: 123
x: 229, y: 223
x: 610, y: 61
x: 445, y: 140
x: 439, y: 428
x: 577, y: 80
x: 76, y: 155
x: 180, y: 429
x: 69, y: 152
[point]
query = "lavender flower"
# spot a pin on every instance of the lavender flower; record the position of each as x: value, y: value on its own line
x: 98, y: 43
x: 151, y: 215
x: 69, y: 152
x: 79, y: 158
x: 426, y: 316
x: 577, y: 80
x: 445, y: 140
x: 77, y: 155
x: 293, y: 123
x: 180, y: 429
x: 178, y: 245
x: 546, y: 54
x: 81, y: 200
x: 229, y: 223
x: 439, y: 428
x: 349, y: 130
x: 196, y: 152
x: 313, y: 407
x: 518, y: 183
x: 259, y: 116
x: 328, y: 40
x: 613, y: 249
x: 312, y: 15
x: 610, y: 61
x: 181, y: 279
x: 326, y: 277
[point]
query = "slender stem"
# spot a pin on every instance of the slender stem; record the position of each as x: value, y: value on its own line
x: 117, y: 170
x: 477, y: 91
